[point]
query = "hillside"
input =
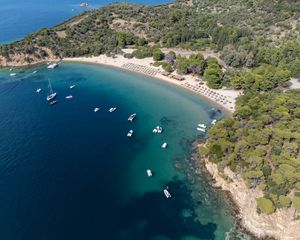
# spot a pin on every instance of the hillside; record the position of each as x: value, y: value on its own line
x: 245, y: 31
x: 259, y: 43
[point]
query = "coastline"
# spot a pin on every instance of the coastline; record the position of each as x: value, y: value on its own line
x: 279, y: 225
x: 144, y: 67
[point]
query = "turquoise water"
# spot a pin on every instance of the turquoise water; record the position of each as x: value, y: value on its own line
x: 19, y: 18
x: 69, y: 173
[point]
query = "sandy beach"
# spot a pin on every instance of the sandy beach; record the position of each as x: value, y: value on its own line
x: 225, y: 98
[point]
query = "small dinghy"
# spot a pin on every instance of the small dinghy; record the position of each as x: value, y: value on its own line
x: 96, y: 109
x: 12, y: 74
x: 164, y: 145
x: 69, y: 97
x: 34, y: 72
x: 149, y: 173
x: 52, y: 102
x: 72, y: 86
x: 38, y: 90
x: 129, y: 134
x: 112, y: 109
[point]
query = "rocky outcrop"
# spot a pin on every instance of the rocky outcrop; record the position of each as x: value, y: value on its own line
x: 40, y: 55
x: 280, y: 225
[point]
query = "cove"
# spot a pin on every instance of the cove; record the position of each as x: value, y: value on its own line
x: 70, y: 173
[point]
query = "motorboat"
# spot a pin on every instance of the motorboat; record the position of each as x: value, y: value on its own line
x: 12, y: 74
x: 34, y: 72
x: 157, y: 129
x: 132, y: 117
x: 202, y: 125
x: 149, y: 173
x: 164, y: 145
x: 112, y: 109
x: 167, y: 193
x: 52, y: 66
x: 129, y: 134
x: 38, y: 90
x: 51, y: 95
x: 72, y: 86
x: 69, y: 97
x: 201, y: 129
x: 83, y: 4
x: 96, y: 109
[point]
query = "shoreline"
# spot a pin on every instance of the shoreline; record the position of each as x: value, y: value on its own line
x: 279, y: 225
x: 144, y: 67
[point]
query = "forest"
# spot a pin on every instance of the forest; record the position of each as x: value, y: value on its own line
x: 261, y: 141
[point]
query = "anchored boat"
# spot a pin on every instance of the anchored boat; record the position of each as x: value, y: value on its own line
x: 164, y: 145
x: 167, y: 193
x: 129, y: 134
x: 51, y: 95
x: 132, y: 117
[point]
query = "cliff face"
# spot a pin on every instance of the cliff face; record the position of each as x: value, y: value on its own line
x: 40, y: 55
x: 279, y: 225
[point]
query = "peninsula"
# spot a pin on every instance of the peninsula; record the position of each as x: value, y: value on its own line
x: 242, y: 54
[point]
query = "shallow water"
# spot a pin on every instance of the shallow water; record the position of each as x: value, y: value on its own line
x: 69, y: 173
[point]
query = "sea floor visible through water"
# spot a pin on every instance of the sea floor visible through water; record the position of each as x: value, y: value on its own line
x: 70, y: 173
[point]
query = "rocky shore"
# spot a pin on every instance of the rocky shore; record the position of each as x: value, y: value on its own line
x: 40, y: 55
x: 279, y: 225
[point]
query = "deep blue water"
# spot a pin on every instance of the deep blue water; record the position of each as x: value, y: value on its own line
x: 69, y: 173
x: 21, y: 17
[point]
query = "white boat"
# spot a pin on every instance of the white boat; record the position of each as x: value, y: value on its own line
x: 69, y: 97
x: 164, y: 145
x: 52, y: 66
x: 96, y: 109
x: 167, y: 193
x: 12, y: 74
x: 112, y: 109
x: 149, y: 173
x: 38, y: 90
x: 129, y: 134
x: 202, y: 125
x: 72, y: 86
x: 51, y: 94
x: 132, y: 117
x: 10, y: 69
x: 83, y: 4
x: 157, y: 129
x: 213, y: 122
x: 34, y: 72
x: 53, y: 102
x: 201, y: 129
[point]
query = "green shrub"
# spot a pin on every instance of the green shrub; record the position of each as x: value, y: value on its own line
x: 265, y: 205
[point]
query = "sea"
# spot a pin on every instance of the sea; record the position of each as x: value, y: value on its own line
x: 67, y: 172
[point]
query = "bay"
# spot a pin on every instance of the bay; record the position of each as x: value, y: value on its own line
x: 67, y: 172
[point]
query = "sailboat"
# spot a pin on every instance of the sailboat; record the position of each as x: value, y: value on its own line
x: 51, y: 94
